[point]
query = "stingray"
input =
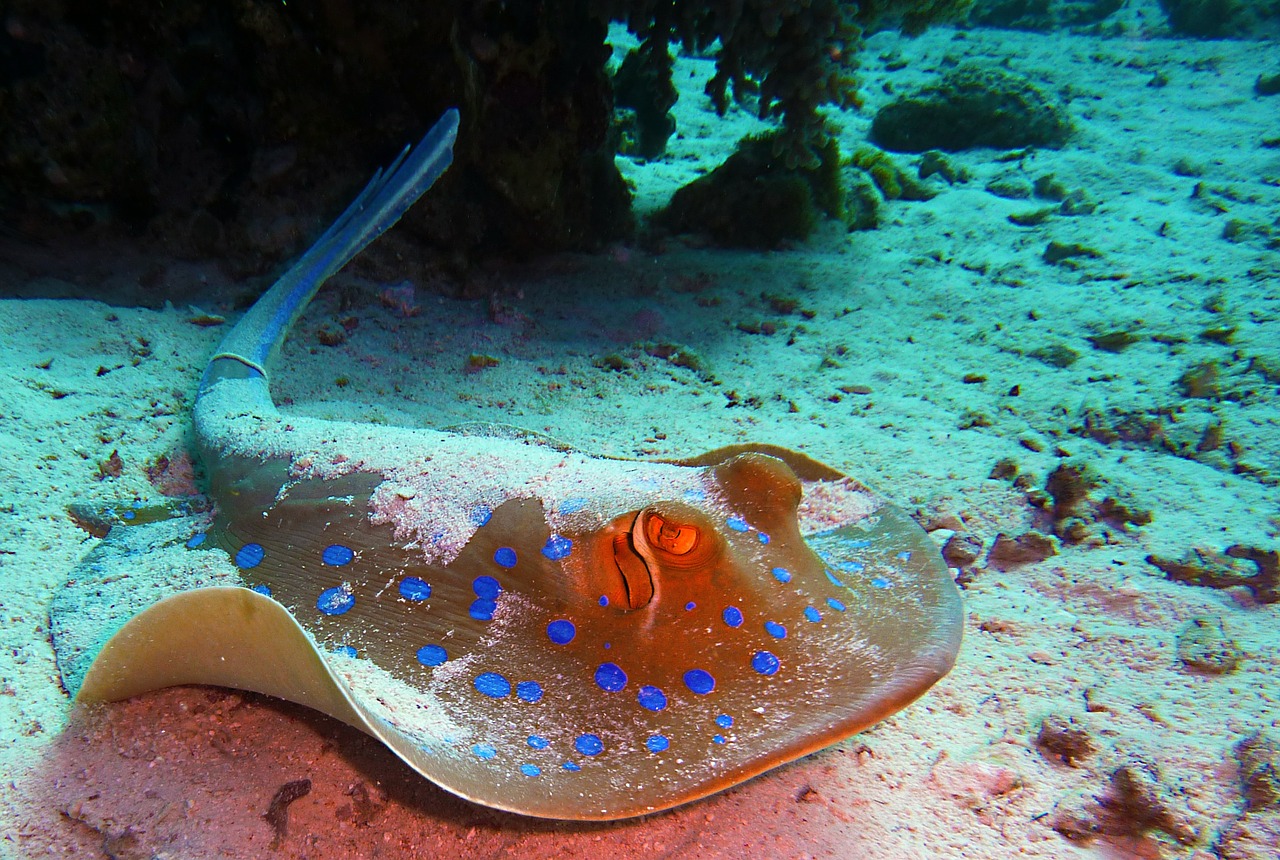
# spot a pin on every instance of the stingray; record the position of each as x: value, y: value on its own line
x: 529, y: 626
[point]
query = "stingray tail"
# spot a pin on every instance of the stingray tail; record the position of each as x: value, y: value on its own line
x: 245, y: 350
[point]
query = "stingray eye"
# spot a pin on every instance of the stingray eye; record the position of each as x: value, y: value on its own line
x: 676, y: 538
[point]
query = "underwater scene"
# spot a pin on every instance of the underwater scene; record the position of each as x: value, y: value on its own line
x: 623, y: 428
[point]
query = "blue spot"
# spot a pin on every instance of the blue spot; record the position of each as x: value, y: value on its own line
x: 484, y: 751
x: 346, y: 651
x: 557, y: 547
x: 610, y: 677
x: 776, y: 630
x: 652, y: 698
x: 538, y: 742
x: 128, y: 515
x: 812, y: 614
x: 724, y: 721
x: 262, y: 589
x: 861, y: 543
x: 196, y: 540
x: 880, y: 582
x: 482, y: 609
x: 852, y: 566
x: 608, y: 645
x: 493, y: 685
x: 718, y: 739
x: 413, y: 588
x: 335, y: 601
x: 480, y: 515
x: 832, y: 578
x: 336, y: 555
x: 657, y: 743
x: 588, y: 744
x: 504, y: 556
x: 250, y: 555
x: 732, y: 616
x: 765, y: 662
x: 604, y: 600
x: 529, y: 691
x: 835, y: 604
x: 530, y: 769
x: 432, y: 655
x: 905, y: 555
x: 699, y: 681
x: 764, y: 538
x: 690, y: 605
x: 571, y: 766
x: 738, y: 524
x: 561, y: 631
x: 781, y: 574
x: 486, y: 587
x: 571, y: 506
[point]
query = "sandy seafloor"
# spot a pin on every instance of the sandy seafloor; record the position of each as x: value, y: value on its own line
x: 943, y: 289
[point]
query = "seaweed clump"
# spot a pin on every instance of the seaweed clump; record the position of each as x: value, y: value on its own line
x: 643, y: 85
x: 754, y: 201
x: 970, y: 107
x: 1042, y: 16
x: 1216, y: 19
x: 787, y: 58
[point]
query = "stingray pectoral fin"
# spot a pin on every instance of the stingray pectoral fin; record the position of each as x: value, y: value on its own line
x: 910, y: 613
x: 224, y: 636
x: 805, y: 467
x: 228, y: 636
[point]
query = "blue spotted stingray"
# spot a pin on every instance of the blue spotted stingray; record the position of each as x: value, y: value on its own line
x: 531, y: 627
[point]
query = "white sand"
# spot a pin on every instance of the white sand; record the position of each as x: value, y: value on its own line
x: 943, y: 289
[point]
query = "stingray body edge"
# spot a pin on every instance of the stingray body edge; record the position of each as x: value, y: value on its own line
x: 530, y: 627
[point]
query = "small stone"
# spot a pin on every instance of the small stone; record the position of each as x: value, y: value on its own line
x: 1259, y: 759
x: 1139, y: 803
x: 1055, y: 355
x: 1065, y: 740
x: 961, y: 550
x: 947, y: 521
x: 331, y: 334
x: 477, y: 362
x: 1026, y: 548
x: 1113, y: 341
x: 1004, y: 470
x: 1056, y: 252
x: 1203, y: 646
x: 1010, y: 188
x: 1202, y: 381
